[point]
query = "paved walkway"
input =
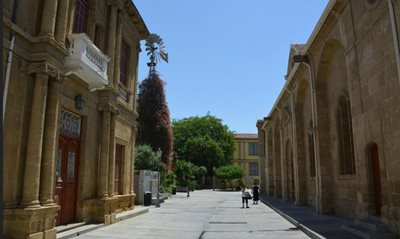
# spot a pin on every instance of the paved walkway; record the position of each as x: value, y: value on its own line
x: 313, y: 224
x: 205, y: 214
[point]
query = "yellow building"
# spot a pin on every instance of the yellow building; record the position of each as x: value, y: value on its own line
x: 246, y: 156
x: 70, y: 112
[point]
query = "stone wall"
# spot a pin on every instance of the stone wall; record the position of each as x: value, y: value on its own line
x: 346, y: 104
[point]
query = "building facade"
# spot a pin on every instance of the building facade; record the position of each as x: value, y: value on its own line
x: 70, y: 112
x: 332, y: 139
x: 246, y: 156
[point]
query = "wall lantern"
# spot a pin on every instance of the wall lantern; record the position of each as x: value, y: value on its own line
x: 79, y: 102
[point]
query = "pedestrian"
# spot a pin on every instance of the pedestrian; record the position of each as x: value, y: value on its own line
x: 244, y: 198
x: 255, y: 191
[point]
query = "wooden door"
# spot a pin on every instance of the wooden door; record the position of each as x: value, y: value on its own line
x: 67, y: 178
x: 376, y: 178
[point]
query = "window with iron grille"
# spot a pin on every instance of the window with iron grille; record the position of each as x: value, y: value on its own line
x: 124, y: 61
x: 253, y: 169
x: 80, y: 18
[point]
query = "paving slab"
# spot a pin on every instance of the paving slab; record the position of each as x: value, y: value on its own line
x: 205, y: 214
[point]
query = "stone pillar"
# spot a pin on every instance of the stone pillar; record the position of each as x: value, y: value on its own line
x: 118, y: 51
x: 111, y: 42
x: 62, y: 18
x: 111, y: 167
x: 104, y: 153
x: 49, y: 17
x: 132, y: 161
x: 30, y: 194
x: 47, y: 179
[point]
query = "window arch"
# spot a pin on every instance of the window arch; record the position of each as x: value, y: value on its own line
x: 345, y: 133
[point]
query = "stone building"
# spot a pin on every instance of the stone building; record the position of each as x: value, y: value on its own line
x: 246, y: 156
x: 70, y: 118
x: 332, y: 139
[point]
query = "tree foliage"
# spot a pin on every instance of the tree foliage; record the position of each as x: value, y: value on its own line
x: 204, y: 141
x: 147, y: 159
x: 229, y: 173
x: 154, y: 120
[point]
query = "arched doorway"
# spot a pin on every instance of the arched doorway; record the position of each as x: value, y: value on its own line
x: 375, y: 179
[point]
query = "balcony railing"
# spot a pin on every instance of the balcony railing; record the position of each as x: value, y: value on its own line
x: 87, y: 61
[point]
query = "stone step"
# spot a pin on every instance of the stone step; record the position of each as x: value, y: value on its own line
x: 78, y: 231
x: 372, y: 225
x: 365, y: 233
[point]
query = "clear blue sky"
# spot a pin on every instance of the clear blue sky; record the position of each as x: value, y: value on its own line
x: 226, y: 57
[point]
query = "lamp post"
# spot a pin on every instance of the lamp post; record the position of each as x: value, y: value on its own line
x: 158, y: 153
x: 213, y: 175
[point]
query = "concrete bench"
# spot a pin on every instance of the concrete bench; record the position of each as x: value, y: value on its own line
x: 182, y: 189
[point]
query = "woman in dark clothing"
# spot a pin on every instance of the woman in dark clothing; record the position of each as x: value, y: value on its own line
x: 255, y: 191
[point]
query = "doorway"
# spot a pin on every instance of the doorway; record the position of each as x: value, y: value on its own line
x: 375, y: 179
x: 67, y: 168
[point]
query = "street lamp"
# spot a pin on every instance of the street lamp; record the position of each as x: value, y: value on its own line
x: 158, y: 153
x: 213, y: 181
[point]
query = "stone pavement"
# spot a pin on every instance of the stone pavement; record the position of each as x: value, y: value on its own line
x: 205, y: 214
x: 313, y: 224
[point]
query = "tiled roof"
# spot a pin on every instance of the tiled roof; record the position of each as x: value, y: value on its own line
x: 298, y: 47
x: 246, y: 136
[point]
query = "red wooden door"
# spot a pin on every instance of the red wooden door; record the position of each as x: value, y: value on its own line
x: 376, y: 177
x: 67, y: 178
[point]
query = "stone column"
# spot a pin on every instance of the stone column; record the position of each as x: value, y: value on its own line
x: 117, y: 61
x: 111, y: 167
x: 49, y: 17
x: 47, y: 179
x: 104, y: 153
x: 111, y: 42
x: 30, y: 194
x: 62, y: 18
x: 132, y: 161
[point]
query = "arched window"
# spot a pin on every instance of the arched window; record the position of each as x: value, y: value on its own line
x: 345, y: 132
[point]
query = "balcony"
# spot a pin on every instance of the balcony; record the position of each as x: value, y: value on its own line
x: 87, y: 62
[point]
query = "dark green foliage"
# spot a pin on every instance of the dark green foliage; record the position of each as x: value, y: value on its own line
x: 168, y: 182
x: 154, y: 121
x: 229, y: 173
x: 146, y: 159
x: 204, y: 141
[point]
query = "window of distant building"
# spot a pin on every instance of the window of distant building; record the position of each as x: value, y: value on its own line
x: 253, y: 148
x: 124, y: 61
x: 253, y: 169
x: 80, y: 18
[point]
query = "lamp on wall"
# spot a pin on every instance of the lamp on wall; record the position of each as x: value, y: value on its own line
x: 79, y: 102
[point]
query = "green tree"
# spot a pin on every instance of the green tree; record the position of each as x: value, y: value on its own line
x: 154, y: 120
x: 184, y: 172
x: 229, y: 173
x: 204, y: 141
x: 146, y: 159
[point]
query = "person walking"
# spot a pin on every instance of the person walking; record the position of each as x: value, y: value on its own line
x: 255, y: 191
x: 245, y: 198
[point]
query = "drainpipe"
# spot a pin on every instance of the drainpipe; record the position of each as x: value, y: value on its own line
x: 314, y: 130
x: 395, y: 36
x: 9, y: 59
